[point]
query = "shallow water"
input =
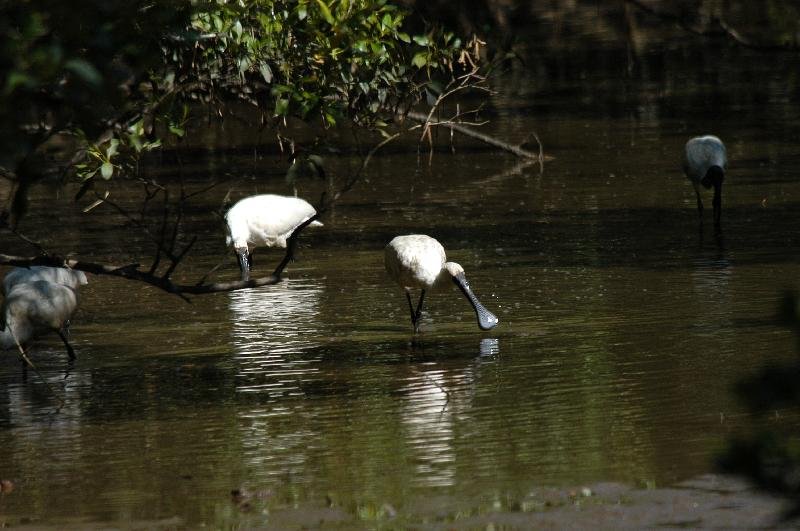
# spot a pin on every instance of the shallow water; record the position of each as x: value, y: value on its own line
x: 624, y: 324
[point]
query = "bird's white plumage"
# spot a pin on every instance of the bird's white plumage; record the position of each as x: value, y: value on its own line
x: 414, y: 260
x: 419, y: 261
x: 703, y: 152
x: 266, y: 220
x: 57, y: 275
x: 32, y: 308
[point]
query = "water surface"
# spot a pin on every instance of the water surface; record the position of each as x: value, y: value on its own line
x: 624, y: 323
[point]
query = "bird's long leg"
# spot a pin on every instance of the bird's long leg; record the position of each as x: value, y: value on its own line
x: 70, y: 351
x: 717, y: 202
x: 418, y: 313
x: 244, y: 265
x: 411, y: 309
x: 699, y: 201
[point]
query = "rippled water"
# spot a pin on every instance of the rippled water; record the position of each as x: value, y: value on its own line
x: 623, y: 324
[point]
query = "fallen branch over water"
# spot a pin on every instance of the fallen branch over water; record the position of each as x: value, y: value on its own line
x: 132, y: 271
x: 492, y: 141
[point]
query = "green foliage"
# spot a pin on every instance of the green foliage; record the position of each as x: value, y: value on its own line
x: 311, y: 59
x: 69, y: 69
x: 124, y: 76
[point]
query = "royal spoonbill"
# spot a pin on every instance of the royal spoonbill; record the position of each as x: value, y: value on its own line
x: 418, y: 261
x: 30, y: 309
x: 704, y: 164
x: 264, y: 220
x: 57, y: 275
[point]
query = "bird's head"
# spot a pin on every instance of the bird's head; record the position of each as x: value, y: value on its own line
x: 453, y: 269
x: 713, y: 177
x: 486, y: 319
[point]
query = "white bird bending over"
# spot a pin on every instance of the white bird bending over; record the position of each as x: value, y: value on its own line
x: 57, y: 275
x: 418, y: 261
x: 264, y: 221
x: 33, y: 308
x: 704, y: 164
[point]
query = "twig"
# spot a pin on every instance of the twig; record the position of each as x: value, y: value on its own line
x: 357, y: 175
x: 516, y: 150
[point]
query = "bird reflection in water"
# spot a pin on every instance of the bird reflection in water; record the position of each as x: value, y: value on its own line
x: 272, y: 327
x: 489, y: 346
x: 435, y: 398
x: 711, y: 272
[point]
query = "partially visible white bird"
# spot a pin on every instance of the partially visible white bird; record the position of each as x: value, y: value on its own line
x: 264, y: 220
x: 57, y: 275
x: 418, y: 261
x: 30, y: 309
x: 704, y: 163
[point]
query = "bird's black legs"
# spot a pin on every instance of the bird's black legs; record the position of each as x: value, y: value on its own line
x: 418, y: 313
x: 717, y: 204
x: 70, y: 351
x: 699, y: 201
x: 415, y: 314
x: 411, y: 308
x: 244, y: 263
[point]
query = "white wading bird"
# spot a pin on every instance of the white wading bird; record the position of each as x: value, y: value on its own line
x: 57, y: 275
x: 704, y: 164
x: 418, y: 261
x: 264, y: 220
x: 33, y: 308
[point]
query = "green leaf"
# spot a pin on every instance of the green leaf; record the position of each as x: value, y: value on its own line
x: 422, y: 40
x: 266, y: 72
x: 176, y: 130
x: 281, y: 107
x: 302, y: 12
x: 16, y: 79
x: 112, y: 148
x: 326, y: 12
x: 404, y: 37
x: 107, y: 170
x: 135, y: 141
x: 420, y: 59
x: 85, y: 71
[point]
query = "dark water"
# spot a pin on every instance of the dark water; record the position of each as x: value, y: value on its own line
x: 623, y: 324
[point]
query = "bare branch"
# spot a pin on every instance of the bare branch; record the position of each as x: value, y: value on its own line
x: 132, y: 272
x: 516, y: 150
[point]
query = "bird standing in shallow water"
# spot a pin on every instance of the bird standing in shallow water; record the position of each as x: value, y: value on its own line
x: 418, y: 261
x: 264, y: 220
x: 33, y: 308
x: 704, y: 164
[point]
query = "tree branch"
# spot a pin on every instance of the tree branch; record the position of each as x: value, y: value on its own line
x: 132, y: 272
x: 492, y: 141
